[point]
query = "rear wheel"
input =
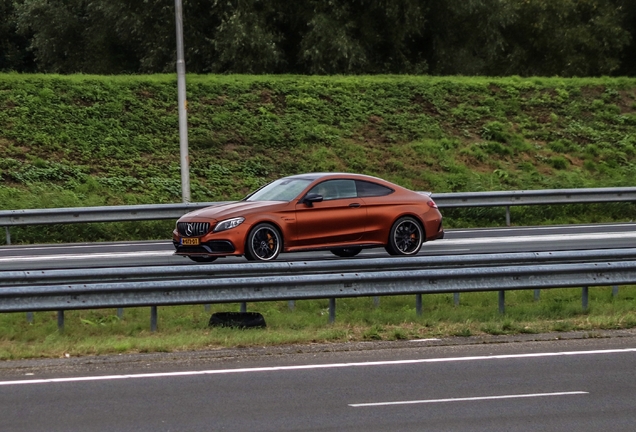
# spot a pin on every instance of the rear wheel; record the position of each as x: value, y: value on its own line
x: 346, y: 252
x: 202, y: 259
x: 406, y: 237
x: 264, y: 243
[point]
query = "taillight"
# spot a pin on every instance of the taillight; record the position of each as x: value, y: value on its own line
x: 432, y: 204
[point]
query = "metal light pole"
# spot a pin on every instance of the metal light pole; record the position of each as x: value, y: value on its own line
x: 183, y: 106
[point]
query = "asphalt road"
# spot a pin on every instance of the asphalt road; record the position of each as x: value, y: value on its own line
x: 557, y: 385
x: 468, y: 241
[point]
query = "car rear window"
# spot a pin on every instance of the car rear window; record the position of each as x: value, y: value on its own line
x: 369, y: 189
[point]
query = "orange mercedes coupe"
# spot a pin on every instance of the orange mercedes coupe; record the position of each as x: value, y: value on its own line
x: 342, y: 213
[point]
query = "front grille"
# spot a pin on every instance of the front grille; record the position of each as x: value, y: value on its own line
x: 193, y: 229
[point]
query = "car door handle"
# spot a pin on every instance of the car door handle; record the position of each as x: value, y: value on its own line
x: 354, y: 205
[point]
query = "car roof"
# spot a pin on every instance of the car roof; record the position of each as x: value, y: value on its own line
x: 326, y: 175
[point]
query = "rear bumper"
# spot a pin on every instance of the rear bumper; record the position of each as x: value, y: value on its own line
x: 439, y: 236
x: 434, y: 229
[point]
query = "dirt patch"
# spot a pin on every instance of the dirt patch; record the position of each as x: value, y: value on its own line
x: 592, y: 93
x: 217, y: 101
x: 626, y: 102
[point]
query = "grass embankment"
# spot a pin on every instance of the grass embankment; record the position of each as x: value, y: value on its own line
x: 181, y: 328
x: 69, y: 141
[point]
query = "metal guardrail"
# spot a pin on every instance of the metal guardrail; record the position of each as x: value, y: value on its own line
x: 534, y: 197
x: 215, y: 271
x: 9, y: 218
x: 313, y: 286
x: 98, y: 214
x: 227, y: 287
x: 252, y: 286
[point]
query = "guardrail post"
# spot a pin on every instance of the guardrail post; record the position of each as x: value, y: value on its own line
x: 585, y: 297
x: 456, y: 298
x: 153, y: 318
x: 243, y: 307
x: 615, y: 291
x: 206, y: 308
x: 537, y: 294
x: 291, y: 304
x: 120, y: 313
x: 332, y: 310
x: 502, y: 302
x: 60, y: 321
x: 418, y: 304
x: 6, y: 229
x: 29, y: 317
x: 376, y: 301
x: 507, y: 215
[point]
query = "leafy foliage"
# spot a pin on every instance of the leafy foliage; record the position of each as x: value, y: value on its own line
x: 468, y: 37
x: 75, y: 141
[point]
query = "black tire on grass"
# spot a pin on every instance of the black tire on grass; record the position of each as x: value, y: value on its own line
x: 237, y: 320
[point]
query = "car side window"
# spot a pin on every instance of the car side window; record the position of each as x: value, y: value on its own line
x: 368, y: 189
x: 335, y: 189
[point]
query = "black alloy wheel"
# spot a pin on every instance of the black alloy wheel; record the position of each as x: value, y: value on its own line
x: 264, y: 243
x: 346, y: 252
x: 406, y: 237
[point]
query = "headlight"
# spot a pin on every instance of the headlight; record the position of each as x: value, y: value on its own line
x: 228, y: 224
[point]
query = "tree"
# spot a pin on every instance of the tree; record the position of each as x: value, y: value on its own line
x: 627, y: 9
x: 14, y: 55
x: 246, y: 39
x: 362, y: 36
x: 71, y: 36
x: 563, y: 37
x: 466, y: 36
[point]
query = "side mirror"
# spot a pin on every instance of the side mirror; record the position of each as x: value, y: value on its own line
x: 311, y: 198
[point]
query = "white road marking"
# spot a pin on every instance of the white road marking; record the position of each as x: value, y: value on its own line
x: 542, y: 228
x: 62, y: 257
x: 424, y: 340
x: 438, y: 243
x: 427, y: 401
x: 88, y: 245
x: 536, y: 238
x: 313, y: 366
x: 444, y: 250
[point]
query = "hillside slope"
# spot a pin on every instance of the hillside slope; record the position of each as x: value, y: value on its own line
x: 93, y: 140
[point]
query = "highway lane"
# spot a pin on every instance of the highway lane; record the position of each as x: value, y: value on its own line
x: 582, y: 385
x: 460, y: 241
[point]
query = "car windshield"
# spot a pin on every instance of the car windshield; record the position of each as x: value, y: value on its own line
x: 285, y: 189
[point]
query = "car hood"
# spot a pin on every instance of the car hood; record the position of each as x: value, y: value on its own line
x: 232, y: 209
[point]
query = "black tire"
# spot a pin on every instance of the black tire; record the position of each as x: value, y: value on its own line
x: 264, y: 243
x: 346, y: 252
x: 237, y: 319
x: 203, y: 259
x: 406, y: 237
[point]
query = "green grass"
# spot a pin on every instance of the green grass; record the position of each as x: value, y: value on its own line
x: 84, y: 140
x: 183, y: 328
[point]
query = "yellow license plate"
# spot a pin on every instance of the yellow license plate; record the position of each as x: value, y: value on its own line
x: 190, y: 241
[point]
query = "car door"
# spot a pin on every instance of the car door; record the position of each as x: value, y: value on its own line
x: 381, y: 209
x: 339, y: 218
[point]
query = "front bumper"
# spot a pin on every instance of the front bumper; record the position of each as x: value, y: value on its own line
x: 214, y: 247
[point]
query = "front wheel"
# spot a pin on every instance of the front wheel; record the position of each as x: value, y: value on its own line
x: 346, y: 252
x: 264, y: 243
x: 406, y: 237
